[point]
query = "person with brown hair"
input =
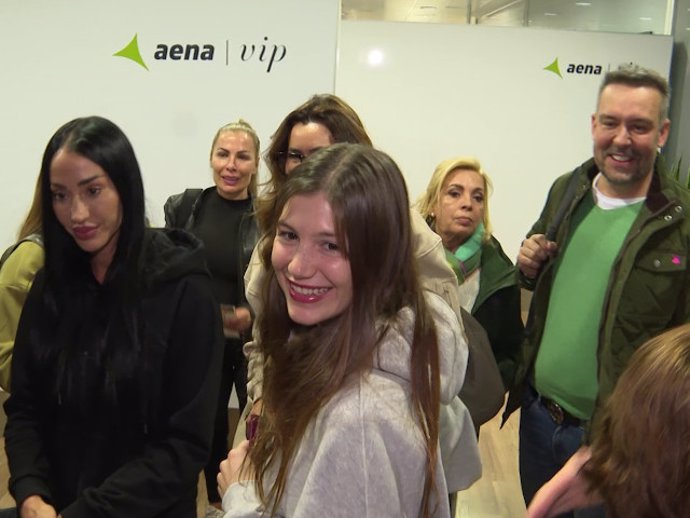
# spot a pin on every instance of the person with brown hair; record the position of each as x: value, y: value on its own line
x: 321, y: 121
x: 18, y: 267
x: 639, y: 460
x: 360, y: 359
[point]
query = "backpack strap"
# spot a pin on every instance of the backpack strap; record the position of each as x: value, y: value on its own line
x: 33, y: 238
x: 179, y: 207
x: 570, y: 192
x: 188, y: 201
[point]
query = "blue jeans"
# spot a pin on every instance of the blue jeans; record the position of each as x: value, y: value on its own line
x: 544, y: 448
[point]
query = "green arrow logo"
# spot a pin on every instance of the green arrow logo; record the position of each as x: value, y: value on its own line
x: 131, y: 51
x: 553, y: 67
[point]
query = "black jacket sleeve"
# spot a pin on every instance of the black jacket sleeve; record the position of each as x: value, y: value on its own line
x: 29, y: 467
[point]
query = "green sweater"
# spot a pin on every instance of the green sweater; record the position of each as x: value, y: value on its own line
x: 649, y: 287
x: 570, y: 331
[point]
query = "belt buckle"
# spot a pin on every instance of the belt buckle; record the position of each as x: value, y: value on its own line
x: 556, y: 412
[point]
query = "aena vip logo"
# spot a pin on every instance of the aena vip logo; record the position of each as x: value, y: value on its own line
x: 265, y: 53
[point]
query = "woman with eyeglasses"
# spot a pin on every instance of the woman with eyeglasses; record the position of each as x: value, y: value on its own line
x: 321, y: 121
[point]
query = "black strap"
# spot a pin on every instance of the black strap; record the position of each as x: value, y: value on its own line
x: 563, y: 208
x: 33, y: 238
x: 184, y: 211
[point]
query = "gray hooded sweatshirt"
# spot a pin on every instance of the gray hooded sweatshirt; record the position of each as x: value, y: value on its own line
x: 364, y: 455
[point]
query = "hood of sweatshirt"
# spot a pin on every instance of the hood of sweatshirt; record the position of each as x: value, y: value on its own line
x: 169, y: 254
x: 394, y: 352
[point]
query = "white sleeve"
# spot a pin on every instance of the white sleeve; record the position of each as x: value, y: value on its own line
x: 241, y: 501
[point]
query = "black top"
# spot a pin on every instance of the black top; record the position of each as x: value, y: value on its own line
x: 139, y: 454
x: 217, y: 225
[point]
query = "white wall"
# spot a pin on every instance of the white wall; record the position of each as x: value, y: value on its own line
x: 447, y: 90
x: 57, y: 64
x: 442, y: 90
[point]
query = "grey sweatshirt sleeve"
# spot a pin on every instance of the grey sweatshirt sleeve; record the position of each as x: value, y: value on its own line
x: 364, y: 456
x: 241, y: 501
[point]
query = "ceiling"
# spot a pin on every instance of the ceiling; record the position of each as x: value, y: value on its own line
x: 635, y: 16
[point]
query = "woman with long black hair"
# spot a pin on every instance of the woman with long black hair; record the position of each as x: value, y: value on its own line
x: 116, y: 358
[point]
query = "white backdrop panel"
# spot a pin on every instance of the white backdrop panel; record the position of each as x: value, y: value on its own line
x: 448, y: 90
x: 57, y: 64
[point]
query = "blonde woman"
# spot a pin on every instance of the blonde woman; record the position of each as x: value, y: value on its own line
x: 222, y: 218
x: 456, y: 207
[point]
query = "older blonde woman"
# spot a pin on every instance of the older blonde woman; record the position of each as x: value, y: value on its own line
x: 455, y: 205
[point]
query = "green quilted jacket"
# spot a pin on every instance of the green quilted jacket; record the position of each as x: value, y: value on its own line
x: 649, y: 287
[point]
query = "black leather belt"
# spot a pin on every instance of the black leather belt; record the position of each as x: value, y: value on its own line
x: 558, y: 414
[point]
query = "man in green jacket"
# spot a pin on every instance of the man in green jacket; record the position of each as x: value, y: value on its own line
x: 608, y: 263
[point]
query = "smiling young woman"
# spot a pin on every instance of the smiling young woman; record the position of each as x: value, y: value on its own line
x: 362, y: 365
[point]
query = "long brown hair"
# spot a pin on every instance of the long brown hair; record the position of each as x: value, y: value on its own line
x: 641, y: 451
x: 306, y: 366
x: 326, y: 109
x: 32, y: 222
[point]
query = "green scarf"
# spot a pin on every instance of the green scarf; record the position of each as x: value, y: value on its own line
x: 467, y: 257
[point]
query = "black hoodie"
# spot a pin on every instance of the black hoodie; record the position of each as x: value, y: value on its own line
x: 138, y: 455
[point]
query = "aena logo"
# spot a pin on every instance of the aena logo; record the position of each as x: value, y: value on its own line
x: 573, y: 68
x: 265, y: 53
x: 131, y: 51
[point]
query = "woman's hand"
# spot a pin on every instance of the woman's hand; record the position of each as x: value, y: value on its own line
x: 566, y: 491
x: 257, y: 407
x: 239, y: 320
x: 231, y: 469
x: 35, y: 507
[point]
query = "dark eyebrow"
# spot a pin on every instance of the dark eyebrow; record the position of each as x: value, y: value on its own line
x: 82, y: 182
x: 91, y: 179
x: 327, y: 235
x: 309, y: 151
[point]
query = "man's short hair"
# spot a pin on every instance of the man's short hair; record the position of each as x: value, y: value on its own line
x: 630, y: 74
